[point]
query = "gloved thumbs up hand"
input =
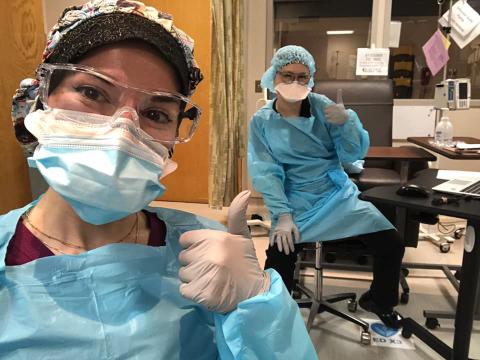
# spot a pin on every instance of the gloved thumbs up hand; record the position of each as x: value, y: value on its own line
x: 336, y: 113
x: 339, y: 96
x: 220, y: 269
x: 237, y: 215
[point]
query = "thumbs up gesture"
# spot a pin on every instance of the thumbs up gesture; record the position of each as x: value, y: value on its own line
x: 336, y: 113
x: 220, y: 269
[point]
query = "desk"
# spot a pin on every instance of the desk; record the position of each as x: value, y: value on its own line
x: 403, y: 154
x: 427, y: 142
x: 465, y: 310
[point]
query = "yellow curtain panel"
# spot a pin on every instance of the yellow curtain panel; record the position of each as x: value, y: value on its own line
x: 227, y: 101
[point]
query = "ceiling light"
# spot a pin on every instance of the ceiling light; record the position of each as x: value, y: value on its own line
x: 340, y: 32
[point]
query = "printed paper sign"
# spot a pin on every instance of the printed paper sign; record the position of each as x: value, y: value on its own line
x: 464, y: 18
x: 372, y: 61
x: 435, y: 52
x: 465, y: 23
x: 388, y: 337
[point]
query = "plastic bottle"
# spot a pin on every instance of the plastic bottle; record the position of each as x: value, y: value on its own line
x: 444, y: 132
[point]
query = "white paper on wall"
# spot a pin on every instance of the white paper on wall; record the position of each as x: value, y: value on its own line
x: 372, y: 61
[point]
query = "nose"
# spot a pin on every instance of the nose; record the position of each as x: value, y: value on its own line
x: 127, y: 112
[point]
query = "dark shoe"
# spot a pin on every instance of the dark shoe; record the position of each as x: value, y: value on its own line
x: 388, y: 316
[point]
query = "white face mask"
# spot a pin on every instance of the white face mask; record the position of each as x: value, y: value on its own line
x: 292, y: 92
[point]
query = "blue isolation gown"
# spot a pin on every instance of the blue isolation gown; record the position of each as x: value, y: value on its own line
x: 122, y: 301
x: 296, y: 164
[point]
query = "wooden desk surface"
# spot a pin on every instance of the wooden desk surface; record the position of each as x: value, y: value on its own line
x: 427, y: 142
x: 400, y: 153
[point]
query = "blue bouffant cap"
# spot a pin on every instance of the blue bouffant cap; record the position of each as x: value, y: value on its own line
x: 290, y: 54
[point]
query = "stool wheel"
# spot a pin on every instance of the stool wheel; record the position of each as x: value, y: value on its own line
x: 404, y: 298
x: 296, y: 294
x: 432, y: 323
x: 365, y: 338
x: 406, y: 333
x: 352, y: 305
x: 445, y: 247
x: 458, y: 233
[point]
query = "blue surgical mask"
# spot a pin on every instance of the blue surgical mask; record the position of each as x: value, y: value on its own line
x: 98, y: 164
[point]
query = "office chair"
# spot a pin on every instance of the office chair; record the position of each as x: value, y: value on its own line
x: 372, y: 100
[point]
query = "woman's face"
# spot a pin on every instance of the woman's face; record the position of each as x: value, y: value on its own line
x: 136, y: 65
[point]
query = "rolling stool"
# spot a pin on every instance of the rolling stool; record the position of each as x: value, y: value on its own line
x: 319, y: 303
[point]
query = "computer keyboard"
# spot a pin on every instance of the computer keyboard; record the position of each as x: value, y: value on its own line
x: 473, y: 189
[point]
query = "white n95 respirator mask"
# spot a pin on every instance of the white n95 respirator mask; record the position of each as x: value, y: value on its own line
x: 103, y: 166
x: 292, y: 92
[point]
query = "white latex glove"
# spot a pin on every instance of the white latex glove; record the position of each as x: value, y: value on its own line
x: 220, y: 269
x: 336, y: 113
x: 285, y: 234
x: 236, y: 218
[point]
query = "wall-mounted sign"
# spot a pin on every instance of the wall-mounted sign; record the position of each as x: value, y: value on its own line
x: 372, y: 61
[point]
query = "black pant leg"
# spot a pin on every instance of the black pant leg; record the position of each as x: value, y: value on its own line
x: 282, y: 263
x: 388, y: 249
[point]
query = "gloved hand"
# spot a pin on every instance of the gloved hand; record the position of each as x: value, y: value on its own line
x: 336, y: 113
x: 220, y: 269
x: 236, y: 218
x: 285, y: 234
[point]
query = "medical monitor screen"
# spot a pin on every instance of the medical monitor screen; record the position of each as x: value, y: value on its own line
x: 462, y: 90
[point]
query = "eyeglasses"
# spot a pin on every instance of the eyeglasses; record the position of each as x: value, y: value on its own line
x: 165, y: 116
x: 289, y: 77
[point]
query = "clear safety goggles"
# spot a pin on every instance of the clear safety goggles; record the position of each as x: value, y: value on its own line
x: 165, y: 116
x: 289, y: 77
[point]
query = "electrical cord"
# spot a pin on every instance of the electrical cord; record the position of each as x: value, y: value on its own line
x: 444, y: 228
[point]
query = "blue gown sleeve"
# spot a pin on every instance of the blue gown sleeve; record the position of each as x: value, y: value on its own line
x: 351, y: 139
x: 267, y: 174
x: 267, y: 326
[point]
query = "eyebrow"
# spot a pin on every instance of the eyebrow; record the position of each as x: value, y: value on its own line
x: 293, y: 73
x: 85, y: 76
x: 160, y: 98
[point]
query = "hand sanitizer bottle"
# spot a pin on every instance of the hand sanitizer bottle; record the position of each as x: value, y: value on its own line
x: 444, y: 132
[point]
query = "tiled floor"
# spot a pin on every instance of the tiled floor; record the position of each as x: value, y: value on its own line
x: 335, y: 338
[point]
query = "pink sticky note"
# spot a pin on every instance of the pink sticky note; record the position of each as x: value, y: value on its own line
x: 435, y: 52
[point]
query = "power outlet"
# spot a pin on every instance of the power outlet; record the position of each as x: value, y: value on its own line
x: 258, y: 88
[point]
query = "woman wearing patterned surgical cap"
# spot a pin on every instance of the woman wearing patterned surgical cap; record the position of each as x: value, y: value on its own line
x: 88, y: 270
x: 299, y: 146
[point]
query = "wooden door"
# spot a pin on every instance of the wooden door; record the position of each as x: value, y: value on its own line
x: 22, y: 38
x: 190, y: 182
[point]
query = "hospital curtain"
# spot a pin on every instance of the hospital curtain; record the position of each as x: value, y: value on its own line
x: 227, y: 101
